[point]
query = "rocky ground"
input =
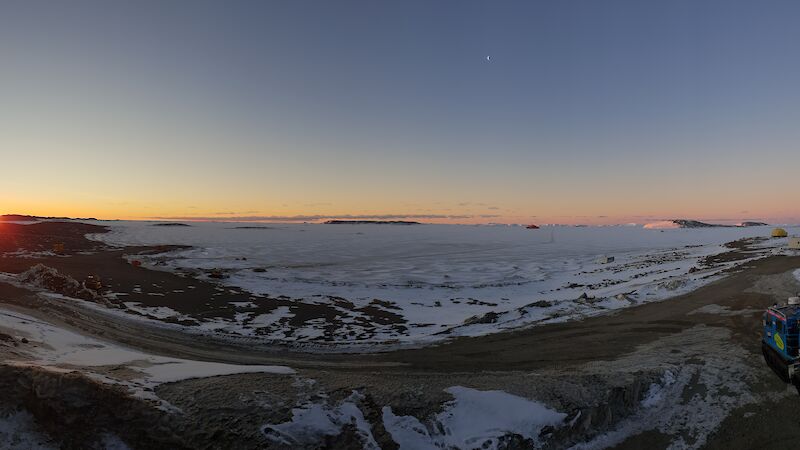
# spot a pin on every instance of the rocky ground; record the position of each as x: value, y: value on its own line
x: 683, y: 373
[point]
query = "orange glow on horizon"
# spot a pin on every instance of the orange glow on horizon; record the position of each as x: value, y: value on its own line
x: 444, y: 217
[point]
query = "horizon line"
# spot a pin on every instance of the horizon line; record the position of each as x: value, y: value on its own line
x: 319, y: 218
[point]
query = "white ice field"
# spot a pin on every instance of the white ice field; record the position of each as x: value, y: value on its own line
x: 446, y: 278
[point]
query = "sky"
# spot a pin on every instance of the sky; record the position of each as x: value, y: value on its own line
x: 585, y: 111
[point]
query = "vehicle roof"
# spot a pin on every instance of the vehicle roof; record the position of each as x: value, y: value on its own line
x: 786, y: 310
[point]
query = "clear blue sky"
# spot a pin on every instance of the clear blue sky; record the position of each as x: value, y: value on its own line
x: 623, y: 109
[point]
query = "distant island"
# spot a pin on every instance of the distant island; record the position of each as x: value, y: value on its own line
x: 370, y: 222
x: 685, y: 223
x: 752, y: 224
x: 171, y: 224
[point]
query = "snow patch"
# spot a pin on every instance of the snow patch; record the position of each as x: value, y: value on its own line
x: 18, y: 430
x: 473, y: 419
x: 264, y: 320
x: 311, y: 422
x: 661, y: 225
x: 53, y: 347
x: 655, y: 394
x: 159, y: 312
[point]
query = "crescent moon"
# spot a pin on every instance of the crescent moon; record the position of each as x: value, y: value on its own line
x: 488, y: 58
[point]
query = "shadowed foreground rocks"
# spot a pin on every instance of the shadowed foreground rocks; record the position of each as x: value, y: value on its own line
x: 77, y: 411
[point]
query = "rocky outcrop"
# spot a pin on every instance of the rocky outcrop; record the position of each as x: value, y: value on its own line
x: 592, y: 420
x: 52, y: 280
x: 489, y: 317
x: 77, y: 411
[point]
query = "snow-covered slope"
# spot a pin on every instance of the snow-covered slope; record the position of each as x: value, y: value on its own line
x: 48, y: 345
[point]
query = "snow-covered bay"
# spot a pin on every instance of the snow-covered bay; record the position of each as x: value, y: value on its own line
x: 440, y: 276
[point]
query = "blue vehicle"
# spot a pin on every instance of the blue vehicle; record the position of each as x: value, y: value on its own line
x: 779, y: 340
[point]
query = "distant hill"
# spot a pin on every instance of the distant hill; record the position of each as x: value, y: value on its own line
x: 370, y: 222
x: 686, y: 223
x: 26, y: 218
x: 17, y: 218
x: 752, y: 224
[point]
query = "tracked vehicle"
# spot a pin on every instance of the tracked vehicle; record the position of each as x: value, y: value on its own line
x: 780, y: 340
